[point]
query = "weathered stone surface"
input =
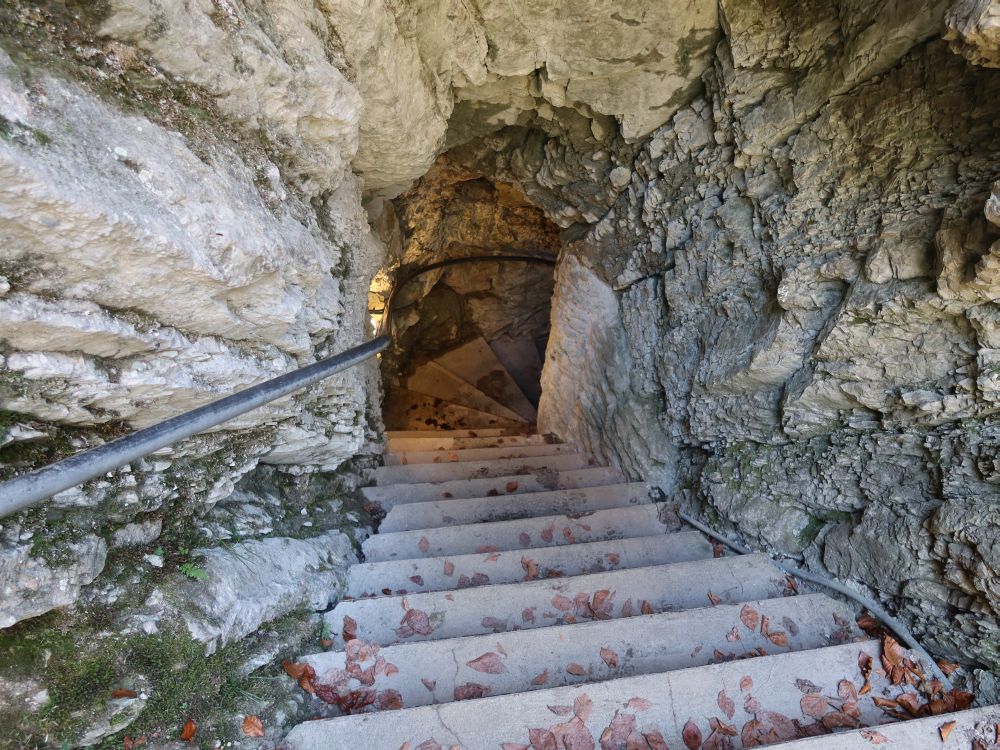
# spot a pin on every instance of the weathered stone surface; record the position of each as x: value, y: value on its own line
x: 795, y: 297
x: 251, y: 583
x: 973, y: 31
x: 31, y: 585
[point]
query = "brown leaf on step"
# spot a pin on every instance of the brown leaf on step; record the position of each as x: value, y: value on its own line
x: 577, y: 669
x: 414, y: 622
x: 493, y: 492
x: 691, y: 735
x: 511, y: 487
x: 627, y: 609
x: 530, y: 568
x: 429, y: 684
x: 419, y: 580
x: 909, y: 702
x: 746, y: 682
x: 839, y: 720
x: 253, y: 726
x: 449, y: 568
x: 302, y: 673
x: 528, y: 614
x: 865, y: 665
x: 130, y: 743
x: 513, y: 746
x: 430, y: 744
x: 471, y: 690
x: 847, y: 691
x: 489, y: 663
x: 562, y: 603
x: 726, y: 704
x: 887, y: 703
x: 868, y: 623
x: 751, y: 705
x: 610, y: 657
x: 851, y: 709
x: 638, y: 704
x: 540, y: 679
x: 814, y: 705
x: 350, y: 629
x: 542, y: 739
x: 486, y: 548
x: 874, y: 737
x: 945, y: 729
x: 524, y: 538
x: 750, y: 617
x: 189, y: 731
x: 733, y: 635
x: 778, y: 639
x: 655, y: 741
x: 547, y: 532
x: 646, y: 608
x: 494, y: 624
x: 947, y: 667
x: 568, y: 535
x: 492, y: 558
x: 391, y: 669
x: 424, y: 544
x: 560, y: 710
x: 124, y: 693
x: 389, y: 700
x: 618, y: 733
x: 447, y: 495
x: 713, y: 598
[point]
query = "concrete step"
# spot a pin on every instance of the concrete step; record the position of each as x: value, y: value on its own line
x: 762, y: 700
x: 521, y: 359
x: 479, y: 469
x: 406, y: 410
x: 556, y: 601
x: 446, y: 443
x: 431, y: 433
x: 412, y: 458
x: 537, y: 481
x: 433, y: 380
x: 429, y: 672
x: 524, y: 533
x: 974, y: 728
x: 463, y: 571
x: 476, y: 363
x: 440, y: 513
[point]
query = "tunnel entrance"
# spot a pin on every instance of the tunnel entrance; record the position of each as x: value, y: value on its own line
x: 469, y: 338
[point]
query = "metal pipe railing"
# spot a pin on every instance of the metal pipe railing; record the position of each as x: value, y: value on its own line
x: 35, y: 486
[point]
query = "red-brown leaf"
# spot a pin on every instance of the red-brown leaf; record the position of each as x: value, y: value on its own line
x: 560, y: 710
x: 424, y: 544
x: 577, y: 669
x: 429, y: 684
x: 542, y: 739
x: 389, y: 700
x: 847, y: 691
x: 540, y: 679
x: 639, y: 704
x: 547, y: 533
x: 874, y: 737
x: 655, y: 741
x: 778, y: 638
x: 691, y: 735
x: 610, y: 657
x: 814, y: 705
x: 253, y: 726
x: 945, y: 729
x: 726, y: 704
x: 471, y: 690
x: 530, y: 568
x: 488, y: 663
x: 350, y: 630
x: 750, y: 617
x: 511, y: 487
x: 419, y: 580
x: 713, y: 598
x: 449, y: 568
x: 189, y: 731
x: 124, y: 693
x: 562, y: 603
x: 746, y: 682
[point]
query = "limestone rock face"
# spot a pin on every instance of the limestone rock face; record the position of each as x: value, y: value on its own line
x: 974, y: 31
x: 787, y: 317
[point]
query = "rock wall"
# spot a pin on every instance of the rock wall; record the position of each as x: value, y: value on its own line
x: 795, y: 328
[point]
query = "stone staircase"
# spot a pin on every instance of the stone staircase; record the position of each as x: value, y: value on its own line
x: 520, y: 596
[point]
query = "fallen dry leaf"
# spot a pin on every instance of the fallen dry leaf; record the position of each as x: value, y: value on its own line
x: 814, y: 705
x: 511, y: 487
x: 639, y: 704
x: 691, y: 735
x: 577, y: 669
x: 750, y: 617
x: 746, y: 682
x: 876, y: 738
x: 488, y: 663
x: 945, y: 729
x: 847, y: 691
x: 253, y: 726
x: 124, y: 693
x: 471, y: 690
x: 713, y: 598
x: 610, y: 657
x: 350, y: 630
x: 189, y: 731
x: 540, y: 679
x: 560, y: 710
x: 778, y: 638
x: 424, y: 544
x: 726, y: 704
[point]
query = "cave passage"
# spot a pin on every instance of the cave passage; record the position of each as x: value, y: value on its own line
x: 475, y: 332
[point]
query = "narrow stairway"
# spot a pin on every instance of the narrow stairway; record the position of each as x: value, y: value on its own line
x: 518, y: 595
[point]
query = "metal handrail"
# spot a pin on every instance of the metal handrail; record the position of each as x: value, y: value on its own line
x: 30, y: 488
